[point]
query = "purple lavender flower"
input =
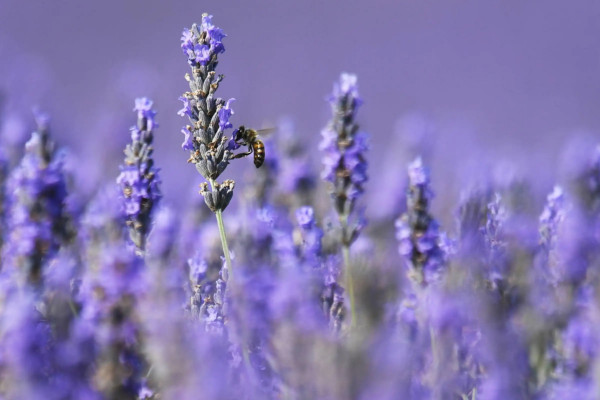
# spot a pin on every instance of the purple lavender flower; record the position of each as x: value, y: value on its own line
x: 344, y: 148
x: 209, y: 115
x: 200, y: 52
x: 207, y: 300
x: 417, y: 232
x: 139, y: 178
x: 549, y: 225
x: 37, y: 222
x: 551, y: 218
x: 345, y: 168
x: 326, y: 269
x: 495, y: 245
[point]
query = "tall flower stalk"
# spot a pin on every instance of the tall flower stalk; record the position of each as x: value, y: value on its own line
x: 419, y: 239
x: 37, y: 220
x: 139, y: 180
x: 345, y: 168
x: 550, y: 221
x: 209, y: 116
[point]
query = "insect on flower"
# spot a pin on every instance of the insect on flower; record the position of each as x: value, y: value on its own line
x: 249, y: 137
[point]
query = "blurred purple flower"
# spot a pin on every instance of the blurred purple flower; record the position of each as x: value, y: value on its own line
x: 344, y: 149
x: 419, y: 239
x: 139, y: 180
x: 494, y: 241
x: 37, y: 220
x: 551, y: 218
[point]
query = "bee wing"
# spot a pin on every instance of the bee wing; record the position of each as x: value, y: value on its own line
x: 265, y: 132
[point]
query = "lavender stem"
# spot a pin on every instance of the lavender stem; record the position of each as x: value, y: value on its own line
x: 348, y: 280
x: 219, y: 215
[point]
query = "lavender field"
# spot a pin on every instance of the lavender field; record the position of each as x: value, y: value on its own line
x: 280, y: 263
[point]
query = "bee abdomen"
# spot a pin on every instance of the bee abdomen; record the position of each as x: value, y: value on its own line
x: 259, y: 153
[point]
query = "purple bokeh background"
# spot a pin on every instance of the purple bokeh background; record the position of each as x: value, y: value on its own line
x: 511, y: 81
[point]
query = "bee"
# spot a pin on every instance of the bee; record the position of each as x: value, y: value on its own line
x: 249, y: 137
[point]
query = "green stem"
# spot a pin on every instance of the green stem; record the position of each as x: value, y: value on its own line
x: 219, y: 215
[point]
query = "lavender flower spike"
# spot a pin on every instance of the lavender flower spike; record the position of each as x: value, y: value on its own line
x: 419, y: 239
x: 344, y: 149
x: 37, y: 219
x: 551, y: 217
x: 139, y: 178
x: 210, y: 150
x: 550, y: 222
x: 345, y: 166
x: 208, y: 115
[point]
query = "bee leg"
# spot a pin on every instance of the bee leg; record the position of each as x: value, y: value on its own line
x: 240, y: 155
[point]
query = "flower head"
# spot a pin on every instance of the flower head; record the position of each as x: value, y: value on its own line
x: 419, y: 239
x: 344, y: 148
x: 551, y: 217
x: 37, y: 220
x: 201, y: 43
x: 139, y: 180
x: 209, y: 115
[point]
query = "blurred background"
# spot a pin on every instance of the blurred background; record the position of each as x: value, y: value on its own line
x: 483, y: 88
